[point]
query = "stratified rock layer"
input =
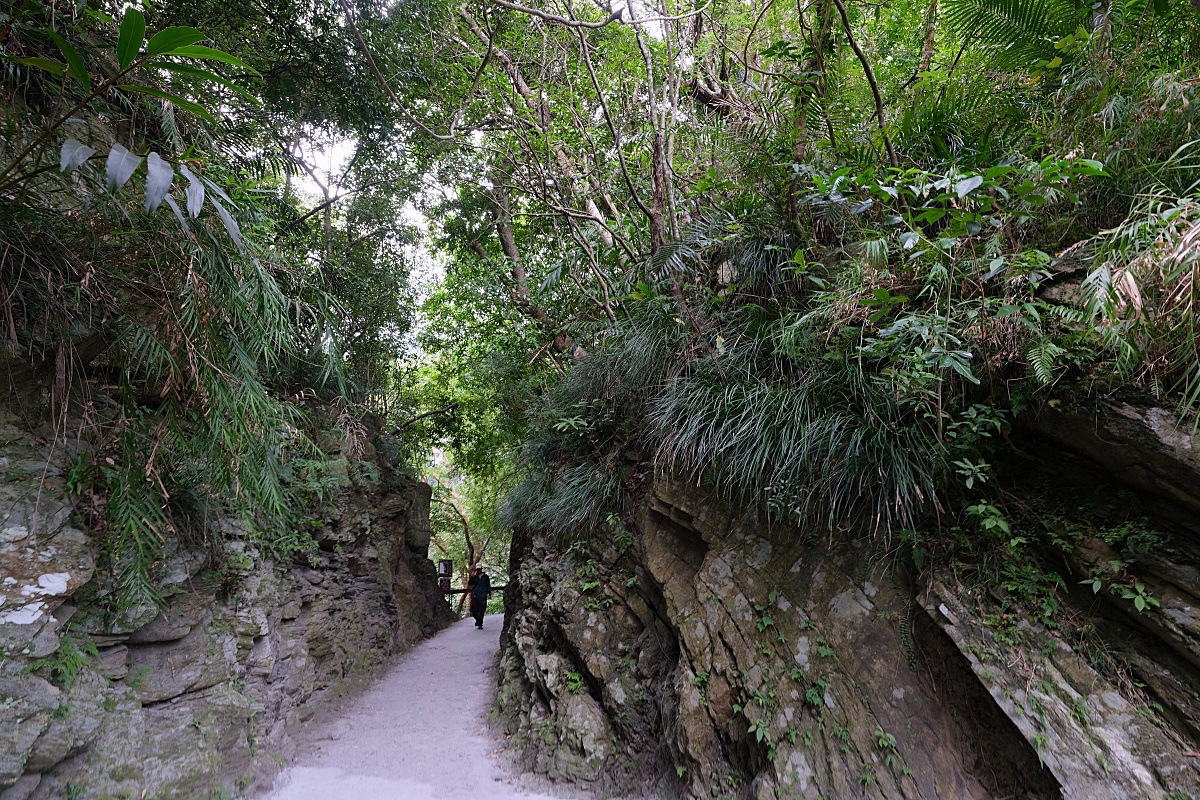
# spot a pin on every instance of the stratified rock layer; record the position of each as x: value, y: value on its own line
x: 200, y: 698
x: 717, y: 657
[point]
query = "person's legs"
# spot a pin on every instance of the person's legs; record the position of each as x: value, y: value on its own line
x: 478, y: 607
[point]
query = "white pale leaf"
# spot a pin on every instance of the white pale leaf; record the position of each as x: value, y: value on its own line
x: 228, y: 221
x: 73, y: 154
x: 219, y: 191
x: 968, y: 185
x: 121, y: 165
x: 178, y: 214
x: 195, y: 192
x: 158, y: 181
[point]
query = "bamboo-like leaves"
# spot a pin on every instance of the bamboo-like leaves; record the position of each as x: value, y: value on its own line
x: 190, y: 71
x: 75, y: 66
x: 49, y: 65
x: 170, y: 40
x: 210, y: 54
x: 186, y: 105
x: 120, y: 167
x: 158, y: 181
x: 178, y: 214
x: 195, y: 192
x: 228, y: 221
x: 129, y: 42
x: 73, y: 154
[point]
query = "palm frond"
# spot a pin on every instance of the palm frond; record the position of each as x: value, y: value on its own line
x: 1016, y: 33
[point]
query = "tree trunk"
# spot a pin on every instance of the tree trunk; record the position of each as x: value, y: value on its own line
x: 930, y: 37
x: 658, y: 196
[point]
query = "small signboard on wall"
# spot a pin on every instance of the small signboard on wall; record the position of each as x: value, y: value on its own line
x: 445, y: 568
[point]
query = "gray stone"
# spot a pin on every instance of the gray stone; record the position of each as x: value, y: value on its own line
x: 113, y: 662
x: 1144, y: 446
x: 183, y: 612
x: 418, y: 530
x: 44, y: 644
x: 159, y: 672
x: 699, y: 668
x: 179, y: 699
x: 26, y: 704
x: 25, y: 786
x: 70, y: 732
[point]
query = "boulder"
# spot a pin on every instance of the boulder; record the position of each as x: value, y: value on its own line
x: 731, y: 659
x: 183, y: 612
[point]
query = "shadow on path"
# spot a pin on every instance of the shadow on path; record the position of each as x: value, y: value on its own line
x: 420, y: 732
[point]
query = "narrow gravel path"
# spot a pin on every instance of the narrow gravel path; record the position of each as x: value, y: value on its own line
x: 420, y: 732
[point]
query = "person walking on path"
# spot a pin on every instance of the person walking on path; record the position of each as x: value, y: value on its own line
x: 481, y: 588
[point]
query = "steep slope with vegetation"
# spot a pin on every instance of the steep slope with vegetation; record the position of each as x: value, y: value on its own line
x: 829, y: 267
x: 745, y: 308
x: 207, y: 524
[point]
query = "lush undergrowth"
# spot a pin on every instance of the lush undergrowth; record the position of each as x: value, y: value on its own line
x: 819, y: 256
x: 166, y: 313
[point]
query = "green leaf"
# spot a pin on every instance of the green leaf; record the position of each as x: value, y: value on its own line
x: 1089, y: 166
x: 186, y: 105
x: 168, y: 40
x: 75, y: 66
x: 211, y: 54
x: 133, y: 31
x: 49, y: 65
x: 205, y: 75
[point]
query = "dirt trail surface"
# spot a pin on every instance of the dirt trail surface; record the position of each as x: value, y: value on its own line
x: 421, y: 732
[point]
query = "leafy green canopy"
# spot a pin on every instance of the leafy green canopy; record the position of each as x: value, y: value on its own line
x: 808, y: 255
x: 162, y: 287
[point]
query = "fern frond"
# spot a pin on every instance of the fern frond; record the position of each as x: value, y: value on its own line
x: 1043, y: 356
x: 1017, y: 33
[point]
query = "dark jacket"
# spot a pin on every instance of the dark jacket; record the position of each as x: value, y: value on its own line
x: 480, y: 586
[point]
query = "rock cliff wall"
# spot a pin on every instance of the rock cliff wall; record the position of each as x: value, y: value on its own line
x: 713, y: 656
x: 201, y: 698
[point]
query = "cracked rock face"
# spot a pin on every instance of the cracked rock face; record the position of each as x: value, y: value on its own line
x: 203, y: 695
x: 717, y: 657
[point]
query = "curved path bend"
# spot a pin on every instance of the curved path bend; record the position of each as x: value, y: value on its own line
x: 420, y: 733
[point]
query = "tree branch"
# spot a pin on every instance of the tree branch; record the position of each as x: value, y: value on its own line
x: 866, y: 65
x: 570, y: 23
x: 362, y: 46
x: 451, y: 407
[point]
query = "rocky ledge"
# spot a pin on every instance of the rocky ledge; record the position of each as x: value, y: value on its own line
x: 202, y: 697
x: 713, y: 656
